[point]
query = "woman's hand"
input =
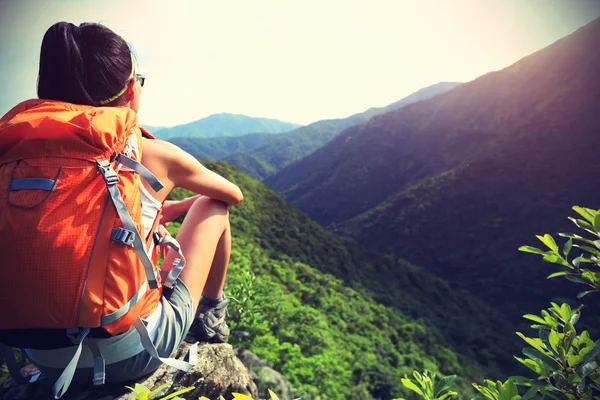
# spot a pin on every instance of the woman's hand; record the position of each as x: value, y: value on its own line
x: 173, y: 209
x: 163, y: 249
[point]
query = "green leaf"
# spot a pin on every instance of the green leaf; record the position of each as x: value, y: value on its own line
x: 535, y: 318
x: 530, y: 393
x: 592, y: 277
x: 410, y: 385
x: 597, y: 222
x: 550, y: 319
x: 588, y: 368
x: 554, y: 339
x: 450, y: 393
x: 581, y: 294
x: 574, y: 359
x: 582, y: 224
x: 443, y: 385
x: 567, y: 247
x: 159, y: 389
x: 534, y: 366
x: 560, y: 273
x: 530, y: 249
x: 589, y: 249
x: 273, y: 395
x: 509, y: 390
x: 565, y: 312
x: 534, y: 342
x: 576, y: 279
x: 575, y: 318
x: 549, y: 242
x: 541, y: 358
x: 586, y: 213
x: 555, y: 259
x: 591, y: 355
x: 576, y: 237
x: 240, y: 396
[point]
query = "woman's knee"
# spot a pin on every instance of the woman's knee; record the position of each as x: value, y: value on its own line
x: 205, y: 206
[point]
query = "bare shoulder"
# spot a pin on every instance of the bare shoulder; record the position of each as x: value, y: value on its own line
x: 160, y: 148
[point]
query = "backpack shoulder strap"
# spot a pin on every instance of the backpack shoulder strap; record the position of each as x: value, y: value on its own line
x: 131, y: 237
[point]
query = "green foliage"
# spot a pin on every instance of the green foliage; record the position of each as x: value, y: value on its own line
x: 246, y: 319
x: 143, y: 393
x: 573, y: 269
x: 455, y: 183
x: 426, y: 387
x: 503, y: 391
x: 316, y: 316
x: 565, y: 363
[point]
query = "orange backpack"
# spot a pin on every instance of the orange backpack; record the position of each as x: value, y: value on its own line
x: 74, y: 261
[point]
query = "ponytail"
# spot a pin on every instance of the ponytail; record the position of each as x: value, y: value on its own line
x: 84, y: 64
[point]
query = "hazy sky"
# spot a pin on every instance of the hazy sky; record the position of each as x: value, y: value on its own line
x: 298, y: 61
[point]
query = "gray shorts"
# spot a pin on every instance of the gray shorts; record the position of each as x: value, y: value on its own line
x: 177, y: 317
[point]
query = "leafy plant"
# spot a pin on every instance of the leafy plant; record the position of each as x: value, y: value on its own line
x: 574, y: 269
x: 427, y: 388
x: 143, y: 393
x: 245, y: 318
x: 566, y: 363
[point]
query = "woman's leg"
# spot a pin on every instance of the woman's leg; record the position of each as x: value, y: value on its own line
x: 205, y: 240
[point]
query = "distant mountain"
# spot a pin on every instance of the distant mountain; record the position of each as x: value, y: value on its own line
x: 456, y: 183
x: 266, y: 160
x: 224, y: 124
x: 217, y: 148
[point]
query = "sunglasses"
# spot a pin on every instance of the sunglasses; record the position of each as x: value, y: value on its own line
x: 141, y: 78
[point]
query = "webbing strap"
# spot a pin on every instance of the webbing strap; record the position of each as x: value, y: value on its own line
x: 111, y: 178
x: 99, y: 363
x: 8, y: 354
x: 32, y: 184
x: 107, y: 319
x: 178, y: 264
x: 64, y: 381
x: 143, y: 171
x: 172, y: 362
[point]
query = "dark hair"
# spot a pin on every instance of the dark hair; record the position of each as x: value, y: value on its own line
x: 84, y: 64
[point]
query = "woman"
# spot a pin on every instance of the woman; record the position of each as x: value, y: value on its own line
x: 91, y: 65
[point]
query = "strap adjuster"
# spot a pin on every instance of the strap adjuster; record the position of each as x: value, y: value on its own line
x: 123, y: 235
x: 108, y: 172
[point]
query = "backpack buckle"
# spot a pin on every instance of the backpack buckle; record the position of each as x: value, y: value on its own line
x: 108, y: 172
x: 123, y: 235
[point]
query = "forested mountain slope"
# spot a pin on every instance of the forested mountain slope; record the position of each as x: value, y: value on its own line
x: 217, y: 148
x: 456, y: 183
x: 333, y: 323
x: 266, y: 160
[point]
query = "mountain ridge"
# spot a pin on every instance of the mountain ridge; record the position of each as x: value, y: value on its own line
x: 226, y: 124
x: 264, y: 161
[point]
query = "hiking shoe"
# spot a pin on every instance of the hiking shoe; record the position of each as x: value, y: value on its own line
x: 210, y: 325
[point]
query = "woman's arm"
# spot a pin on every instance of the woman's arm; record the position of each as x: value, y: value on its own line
x: 176, y: 168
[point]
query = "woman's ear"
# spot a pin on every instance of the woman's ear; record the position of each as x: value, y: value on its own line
x: 130, y: 92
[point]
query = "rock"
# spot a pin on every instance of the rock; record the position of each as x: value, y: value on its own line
x: 265, y: 377
x: 219, y: 372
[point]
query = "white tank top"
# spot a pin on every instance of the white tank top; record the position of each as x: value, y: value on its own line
x: 150, y: 206
x: 150, y: 209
